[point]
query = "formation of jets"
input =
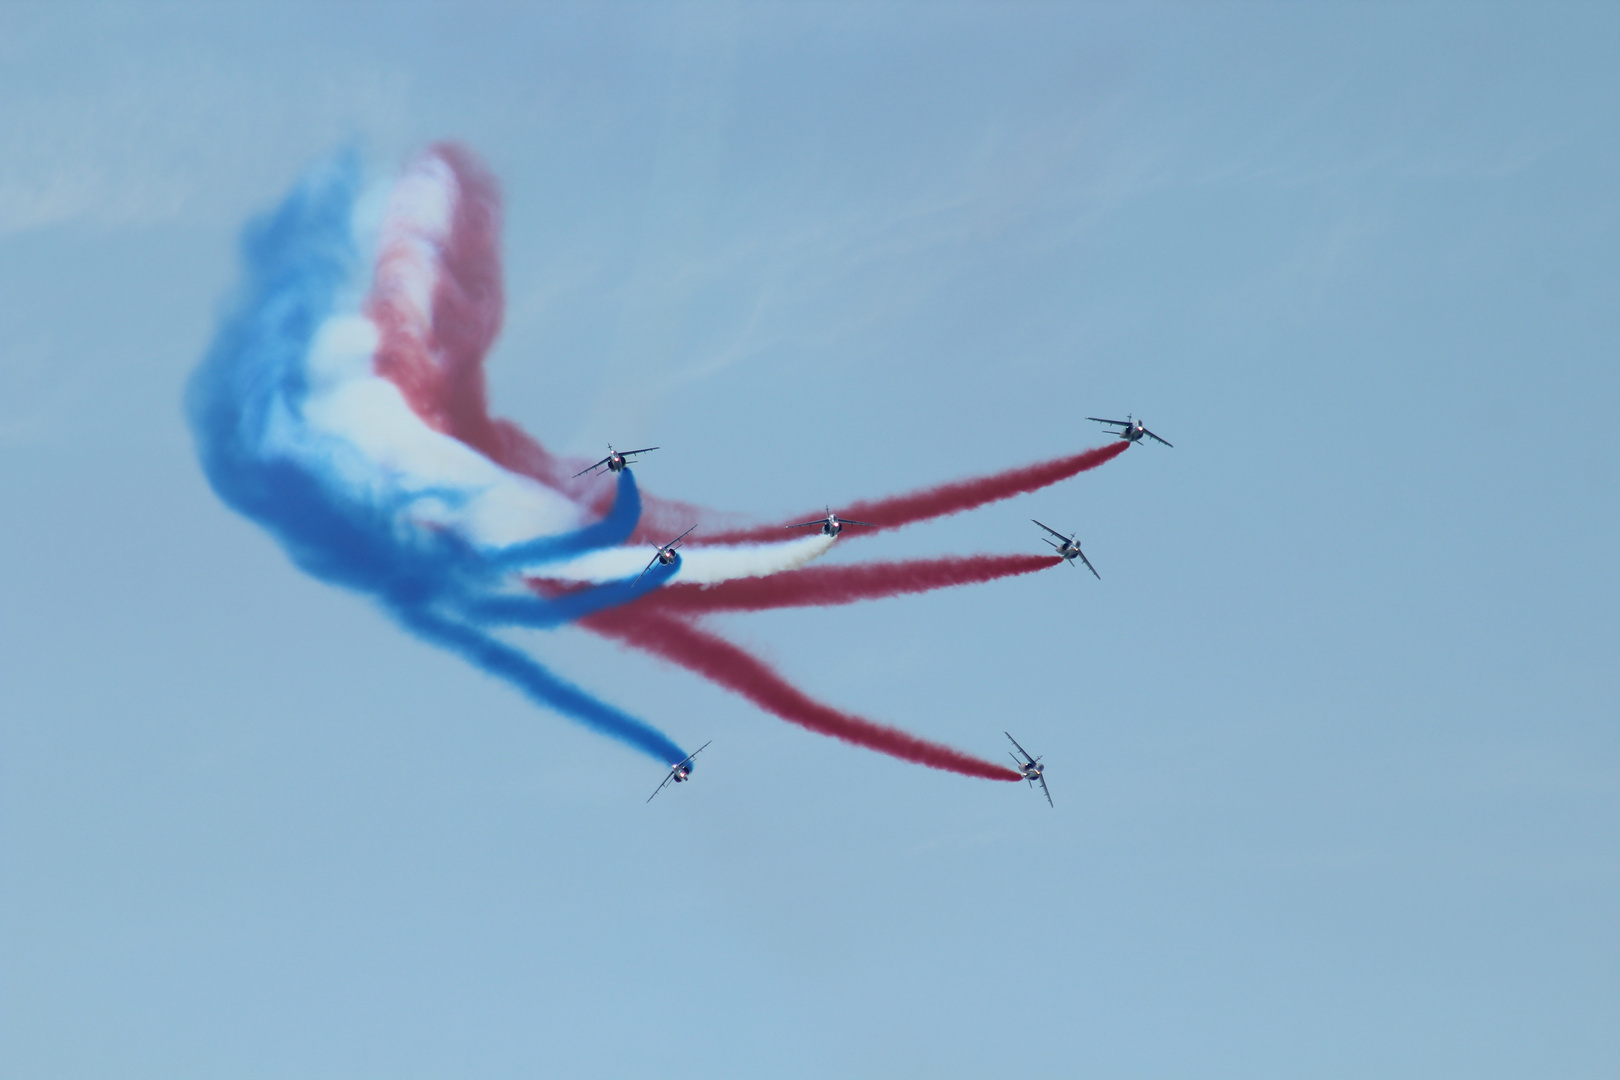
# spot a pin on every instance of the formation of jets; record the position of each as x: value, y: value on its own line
x: 1068, y: 547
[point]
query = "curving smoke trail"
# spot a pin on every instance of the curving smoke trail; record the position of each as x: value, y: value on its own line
x: 343, y: 407
x: 718, y: 659
x: 294, y: 431
x: 613, y: 528
x: 438, y: 298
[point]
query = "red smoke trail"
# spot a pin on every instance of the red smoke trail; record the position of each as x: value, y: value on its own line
x: 824, y: 585
x: 436, y: 359
x: 946, y: 498
x: 718, y: 659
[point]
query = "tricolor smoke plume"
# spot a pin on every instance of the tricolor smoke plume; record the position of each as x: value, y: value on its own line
x: 296, y: 430
x: 342, y: 406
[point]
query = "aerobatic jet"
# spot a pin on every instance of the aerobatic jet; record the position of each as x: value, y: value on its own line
x: 1069, y: 548
x: 616, y: 459
x: 1133, y: 429
x: 680, y: 772
x: 831, y: 525
x: 665, y: 554
x: 1031, y: 768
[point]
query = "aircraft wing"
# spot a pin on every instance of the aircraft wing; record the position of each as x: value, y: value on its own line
x: 660, y: 787
x: 1100, y: 420
x: 1087, y: 561
x: 1051, y: 530
x: 1021, y: 750
x: 696, y: 752
x: 649, y: 565
x: 1044, y: 790
x: 846, y: 521
x: 802, y: 524
x: 643, y: 450
x: 687, y: 760
x: 1154, y: 437
x: 593, y: 468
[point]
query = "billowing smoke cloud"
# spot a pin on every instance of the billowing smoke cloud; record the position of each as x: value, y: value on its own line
x: 342, y: 406
x: 296, y: 431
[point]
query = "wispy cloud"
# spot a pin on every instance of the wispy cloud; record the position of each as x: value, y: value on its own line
x: 134, y: 128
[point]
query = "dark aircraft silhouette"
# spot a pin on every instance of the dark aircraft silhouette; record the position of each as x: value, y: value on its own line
x: 1031, y: 768
x: 616, y: 459
x: 1133, y: 429
x: 1069, y: 548
x: 680, y: 772
x: 665, y: 554
x: 830, y: 525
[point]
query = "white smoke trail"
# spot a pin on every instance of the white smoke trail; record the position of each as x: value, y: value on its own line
x: 699, y: 565
x: 443, y: 481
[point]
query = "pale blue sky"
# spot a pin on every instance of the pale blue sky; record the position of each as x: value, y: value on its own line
x: 1334, y: 742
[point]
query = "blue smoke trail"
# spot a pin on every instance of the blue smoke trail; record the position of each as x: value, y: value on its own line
x: 614, y: 529
x: 539, y: 684
x: 245, y: 406
x: 571, y: 606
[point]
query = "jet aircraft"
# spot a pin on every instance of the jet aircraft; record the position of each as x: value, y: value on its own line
x: 1133, y: 429
x: 831, y: 525
x: 1069, y: 548
x: 665, y: 554
x: 680, y: 772
x: 616, y: 459
x: 1030, y: 767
